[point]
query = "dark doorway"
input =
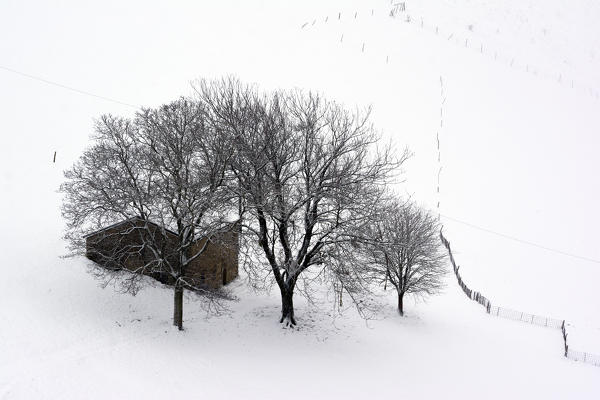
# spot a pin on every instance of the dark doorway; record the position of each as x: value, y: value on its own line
x: 224, y: 276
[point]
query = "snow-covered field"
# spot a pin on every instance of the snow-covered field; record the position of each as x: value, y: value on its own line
x: 518, y: 150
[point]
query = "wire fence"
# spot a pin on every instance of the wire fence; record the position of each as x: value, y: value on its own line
x: 582, y: 356
x: 437, y: 136
x: 526, y: 317
x: 521, y: 316
x: 476, y: 296
x: 395, y: 11
x: 399, y: 12
x: 576, y: 355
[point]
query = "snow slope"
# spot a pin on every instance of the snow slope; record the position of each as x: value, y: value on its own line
x: 518, y: 151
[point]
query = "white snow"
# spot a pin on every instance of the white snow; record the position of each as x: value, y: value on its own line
x: 519, y: 157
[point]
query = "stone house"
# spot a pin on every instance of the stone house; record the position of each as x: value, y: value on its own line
x: 121, y: 246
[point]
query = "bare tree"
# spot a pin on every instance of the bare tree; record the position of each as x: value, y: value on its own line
x: 164, y: 174
x: 309, y: 173
x: 406, y: 251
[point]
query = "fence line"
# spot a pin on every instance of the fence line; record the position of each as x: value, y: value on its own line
x: 526, y: 317
x: 564, y: 334
x: 515, y: 315
x: 558, y: 77
x: 474, y: 295
x: 577, y: 355
x: 439, y: 154
x: 581, y: 356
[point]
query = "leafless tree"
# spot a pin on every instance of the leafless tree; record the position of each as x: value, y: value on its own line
x: 165, y: 172
x: 309, y: 173
x: 406, y: 251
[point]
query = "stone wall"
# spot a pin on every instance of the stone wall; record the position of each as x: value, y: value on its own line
x: 218, y: 264
x: 120, y: 247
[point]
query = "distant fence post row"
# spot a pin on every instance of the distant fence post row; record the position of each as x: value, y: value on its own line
x: 395, y: 10
x: 519, y: 315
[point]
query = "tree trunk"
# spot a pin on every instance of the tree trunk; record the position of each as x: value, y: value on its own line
x: 287, y: 306
x: 401, y: 304
x: 178, y: 307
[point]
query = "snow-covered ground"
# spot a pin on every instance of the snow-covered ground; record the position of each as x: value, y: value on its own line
x: 518, y: 156
x: 91, y: 343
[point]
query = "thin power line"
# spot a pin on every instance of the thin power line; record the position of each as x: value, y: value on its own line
x: 84, y: 92
x: 60, y: 85
x: 564, y: 253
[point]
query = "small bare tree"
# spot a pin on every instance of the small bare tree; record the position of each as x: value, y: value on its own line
x: 309, y: 172
x: 406, y: 251
x: 163, y: 171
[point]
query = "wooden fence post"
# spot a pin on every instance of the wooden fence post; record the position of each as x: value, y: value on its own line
x: 564, y: 332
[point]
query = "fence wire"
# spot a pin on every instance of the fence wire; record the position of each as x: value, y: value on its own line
x: 582, y: 356
x: 515, y: 315
x: 526, y: 317
x: 497, y: 54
